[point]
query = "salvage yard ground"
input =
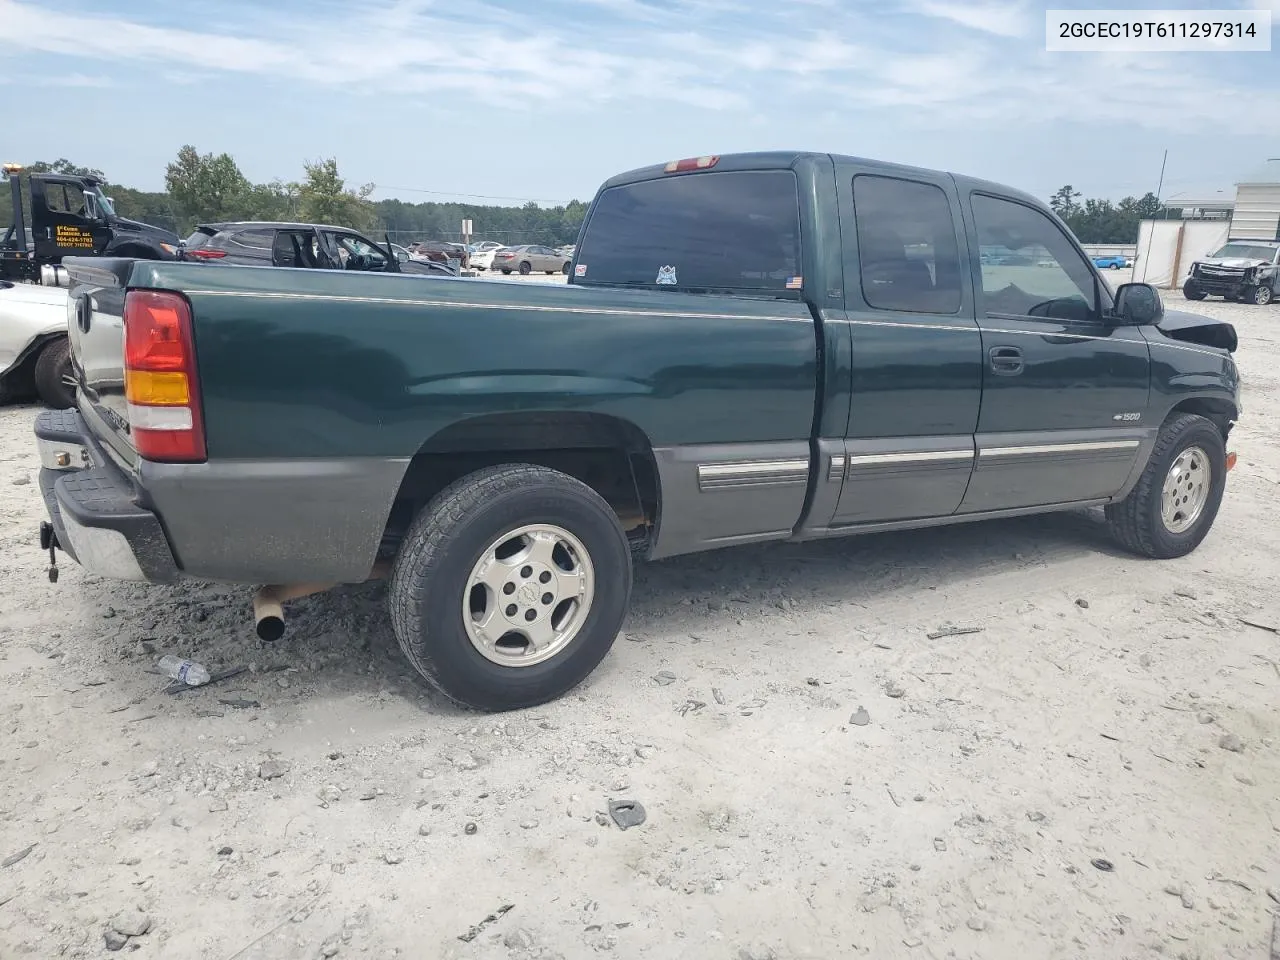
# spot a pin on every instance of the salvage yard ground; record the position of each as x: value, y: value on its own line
x: 1093, y: 773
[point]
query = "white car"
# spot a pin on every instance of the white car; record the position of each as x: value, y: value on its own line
x: 34, y: 354
x: 482, y: 255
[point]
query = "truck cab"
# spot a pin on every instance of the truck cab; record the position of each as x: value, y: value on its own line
x: 71, y: 216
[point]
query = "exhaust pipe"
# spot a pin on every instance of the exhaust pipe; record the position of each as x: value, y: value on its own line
x: 269, y: 601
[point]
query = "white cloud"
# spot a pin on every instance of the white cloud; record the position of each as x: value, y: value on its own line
x: 912, y: 63
x: 1000, y: 19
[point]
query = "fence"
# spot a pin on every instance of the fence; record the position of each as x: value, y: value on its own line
x: 1167, y: 247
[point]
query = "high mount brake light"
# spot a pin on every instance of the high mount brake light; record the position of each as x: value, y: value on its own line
x: 160, y: 383
x: 690, y: 164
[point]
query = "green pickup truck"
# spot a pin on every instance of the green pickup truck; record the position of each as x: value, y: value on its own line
x: 774, y: 346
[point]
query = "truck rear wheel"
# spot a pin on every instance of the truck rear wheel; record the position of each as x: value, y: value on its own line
x: 510, y: 587
x: 1176, y: 499
x: 53, y: 370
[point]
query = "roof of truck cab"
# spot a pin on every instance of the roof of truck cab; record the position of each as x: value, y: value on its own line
x: 785, y: 159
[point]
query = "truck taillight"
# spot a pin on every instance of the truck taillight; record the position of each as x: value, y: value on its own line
x: 201, y: 254
x: 160, y: 382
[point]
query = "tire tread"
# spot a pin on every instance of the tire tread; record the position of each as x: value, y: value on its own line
x: 1126, y: 519
x: 430, y: 536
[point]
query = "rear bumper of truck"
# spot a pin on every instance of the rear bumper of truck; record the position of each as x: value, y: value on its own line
x: 235, y: 521
x: 93, y: 505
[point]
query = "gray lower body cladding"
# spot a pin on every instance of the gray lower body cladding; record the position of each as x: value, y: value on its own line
x: 235, y: 521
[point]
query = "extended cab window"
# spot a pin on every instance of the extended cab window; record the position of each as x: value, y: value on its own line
x: 734, y: 231
x: 1029, y: 267
x: 907, y: 249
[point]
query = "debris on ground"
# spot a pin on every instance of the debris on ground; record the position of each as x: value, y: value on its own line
x: 271, y: 769
x: 860, y: 717
x: 948, y: 631
x: 626, y: 813
x: 21, y: 855
x: 494, y: 917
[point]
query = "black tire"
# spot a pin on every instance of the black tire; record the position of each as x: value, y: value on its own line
x: 1136, y: 521
x: 1192, y: 292
x: 526, y: 268
x: 53, y: 369
x: 565, y: 267
x: 1260, y: 295
x: 430, y: 579
x: 506, y: 273
x: 1115, y: 266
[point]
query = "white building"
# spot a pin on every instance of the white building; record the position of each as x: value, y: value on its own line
x: 1256, y: 215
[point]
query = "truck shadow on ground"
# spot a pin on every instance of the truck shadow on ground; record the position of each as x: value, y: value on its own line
x: 340, y: 644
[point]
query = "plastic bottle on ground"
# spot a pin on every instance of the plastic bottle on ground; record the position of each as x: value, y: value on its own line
x: 184, y: 671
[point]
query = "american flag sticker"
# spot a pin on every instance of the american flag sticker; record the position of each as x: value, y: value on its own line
x: 795, y: 283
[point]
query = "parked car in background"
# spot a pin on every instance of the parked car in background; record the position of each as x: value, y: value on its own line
x: 530, y: 258
x: 482, y: 259
x: 1111, y: 262
x: 35, y: 357
x: 306, y: 245
x: 440, y: 251
x: 1247, y: 270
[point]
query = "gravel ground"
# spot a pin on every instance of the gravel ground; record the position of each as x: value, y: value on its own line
x: 1092, y: 774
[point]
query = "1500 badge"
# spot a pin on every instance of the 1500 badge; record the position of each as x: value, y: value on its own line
x: 1127, y: 417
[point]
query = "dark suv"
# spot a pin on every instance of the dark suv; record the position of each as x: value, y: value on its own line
x: 306, y: 245
x: 1247, y: 270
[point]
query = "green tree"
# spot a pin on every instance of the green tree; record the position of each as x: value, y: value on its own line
x: 325, y: 198
x: 206, y: 188
x: 1064, y: 201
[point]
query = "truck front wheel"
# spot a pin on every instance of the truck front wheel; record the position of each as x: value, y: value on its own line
x: 510, y: 587
x: 1176, y: 499
x: 1192, y: 292
x: 53, y: 373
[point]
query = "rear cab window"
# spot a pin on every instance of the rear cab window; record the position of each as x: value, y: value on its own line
x: 715, y: 232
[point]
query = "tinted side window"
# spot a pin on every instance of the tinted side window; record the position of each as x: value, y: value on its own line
x: 251, y: 244
x: 1029, y: 267
x: 907, y: 248
x: 702, y: 231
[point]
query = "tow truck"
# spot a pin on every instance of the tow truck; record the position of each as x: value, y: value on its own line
x: 68, y: 216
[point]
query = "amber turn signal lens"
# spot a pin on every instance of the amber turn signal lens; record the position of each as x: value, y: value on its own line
x: 154, y: 388
x: 1231, y: 461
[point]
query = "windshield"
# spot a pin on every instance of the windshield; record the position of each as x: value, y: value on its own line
x: 104, y: 204
x: 1246, y: 251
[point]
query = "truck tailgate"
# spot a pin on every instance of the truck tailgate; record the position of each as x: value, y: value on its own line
x: 96, y: 333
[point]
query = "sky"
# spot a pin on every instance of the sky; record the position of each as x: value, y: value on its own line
x: 541, y: 100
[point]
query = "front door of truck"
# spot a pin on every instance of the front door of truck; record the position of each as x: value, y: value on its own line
x: 65, y: 221
x: 1065, y: 389
x: 916, y: 349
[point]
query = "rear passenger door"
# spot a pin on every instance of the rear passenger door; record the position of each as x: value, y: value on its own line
x: 1065, y: 388
x: 916, y: 350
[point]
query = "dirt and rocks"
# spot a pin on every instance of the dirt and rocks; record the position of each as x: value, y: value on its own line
x: 1093, y: 773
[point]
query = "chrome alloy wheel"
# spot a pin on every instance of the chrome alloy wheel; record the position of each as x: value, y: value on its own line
x: 528, y: 595
x: 1186, y: 490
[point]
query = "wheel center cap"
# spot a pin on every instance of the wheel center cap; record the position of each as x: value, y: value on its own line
x: 527, y: 594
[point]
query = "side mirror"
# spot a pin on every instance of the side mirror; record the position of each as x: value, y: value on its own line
x: 91, y: 206
x: 1139, y: 304
x: 402, y: 256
